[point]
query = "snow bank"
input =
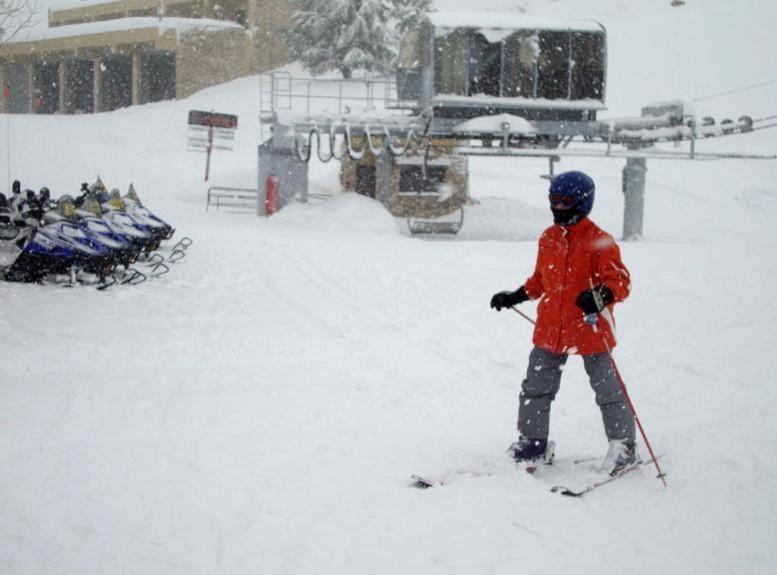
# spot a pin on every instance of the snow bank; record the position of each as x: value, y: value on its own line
x: 345, y: 213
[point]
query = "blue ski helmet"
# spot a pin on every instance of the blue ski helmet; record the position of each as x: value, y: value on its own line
x: 571, y: 197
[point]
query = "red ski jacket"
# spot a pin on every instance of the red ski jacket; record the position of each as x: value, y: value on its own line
x: 571, y: 260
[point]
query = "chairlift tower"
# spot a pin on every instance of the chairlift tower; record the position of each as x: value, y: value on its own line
x: 471, y: 84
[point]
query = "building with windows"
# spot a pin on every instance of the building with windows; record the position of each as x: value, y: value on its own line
x: 97, y: 55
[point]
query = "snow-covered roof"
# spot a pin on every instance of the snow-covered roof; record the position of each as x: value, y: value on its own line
x: 479, y: 100
x: 508, y: 21
x: 497, y: 124
x: 180, y: 25
x: 56, y: 5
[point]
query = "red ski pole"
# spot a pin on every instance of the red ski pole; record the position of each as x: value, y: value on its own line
x: 661, y: 474
x: 523, y: 315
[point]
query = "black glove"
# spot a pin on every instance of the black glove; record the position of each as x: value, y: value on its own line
x: 509, y: 298
x: 594, y: 300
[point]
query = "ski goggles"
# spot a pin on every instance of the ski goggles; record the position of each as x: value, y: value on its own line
x: 562, y: 201
x: 566, y: 201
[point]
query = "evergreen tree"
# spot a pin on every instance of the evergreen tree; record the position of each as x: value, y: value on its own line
x: 408, y: 13
x: 348, y: 35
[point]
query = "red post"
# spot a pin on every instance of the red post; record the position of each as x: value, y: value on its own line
x: 210, y: 147
x: 271, y: 196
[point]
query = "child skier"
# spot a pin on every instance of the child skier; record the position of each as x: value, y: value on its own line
x: 579, y: 275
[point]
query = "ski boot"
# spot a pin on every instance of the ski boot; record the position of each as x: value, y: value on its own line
x: 620, y: 454
x: 530, y: 453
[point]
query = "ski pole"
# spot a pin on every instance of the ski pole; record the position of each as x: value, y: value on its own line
x: 661, y: 474
x: 523, y: 315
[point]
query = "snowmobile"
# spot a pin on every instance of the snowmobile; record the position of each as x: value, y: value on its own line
x: 136, y: 208
x: 61, y: 252
x: 11, y: 237
x: 89, y: 217
x: 97, y: 200
x: 7, y: 228
x: 143, y: 229
x: 121, y: 248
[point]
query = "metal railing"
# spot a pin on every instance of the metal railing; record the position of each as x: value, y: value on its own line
x: 280, y: 91
x: 220, y: 196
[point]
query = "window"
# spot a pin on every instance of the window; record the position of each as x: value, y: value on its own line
x: 413, y: 50
x: 522, y: 51
x: 588, y: 52
x: 46, y: 92
x: 116, y: 89
x: 17, y: 82
x: 412, y: 180
x: 157, y: 77
x: 79, y: 86
x: 365, y: 180
x: 553, y: 66
x: 485, y: 66
x: 548, y: 64
x: 451, y: 63
x: 411, y: 61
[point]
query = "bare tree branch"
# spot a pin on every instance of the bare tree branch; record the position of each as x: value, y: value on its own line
x: 15, y: 17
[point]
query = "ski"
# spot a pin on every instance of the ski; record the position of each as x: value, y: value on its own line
x: 424, y: 482
x: 488, y: 468
x: 427, y: 481
x: 595, y: 485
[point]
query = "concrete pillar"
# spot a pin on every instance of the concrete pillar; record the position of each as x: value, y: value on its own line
x: 634, y: 197
x: 3, y: 103
x: 63, y: 86
x: 98, y: 80
x: 30, y: 87
x: 136, y: 95
x: 251, y: 22
x: 251, y: 14
x: 383, y: 165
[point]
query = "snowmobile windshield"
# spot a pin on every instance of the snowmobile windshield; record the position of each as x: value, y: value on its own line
x: 132, y: 195
x: 93, y: 206
x: 116, y: 200
x: 98, y: 191
x: 66, y: 208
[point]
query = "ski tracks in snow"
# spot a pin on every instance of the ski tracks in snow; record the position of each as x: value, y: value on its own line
x: 335, y: 307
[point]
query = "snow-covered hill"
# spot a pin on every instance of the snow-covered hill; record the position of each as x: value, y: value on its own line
x: 259, y: 409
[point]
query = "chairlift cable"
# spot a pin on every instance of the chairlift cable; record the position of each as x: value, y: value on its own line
x: 736, y: 90
x: 764, y: 127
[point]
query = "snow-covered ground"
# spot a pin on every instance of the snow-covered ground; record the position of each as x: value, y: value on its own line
x: 260, y: 408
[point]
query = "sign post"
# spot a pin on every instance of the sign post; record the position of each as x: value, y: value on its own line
x: 219, y: 126
x: 210, y: 149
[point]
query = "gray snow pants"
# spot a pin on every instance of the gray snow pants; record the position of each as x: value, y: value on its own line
x: 543, y: 378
